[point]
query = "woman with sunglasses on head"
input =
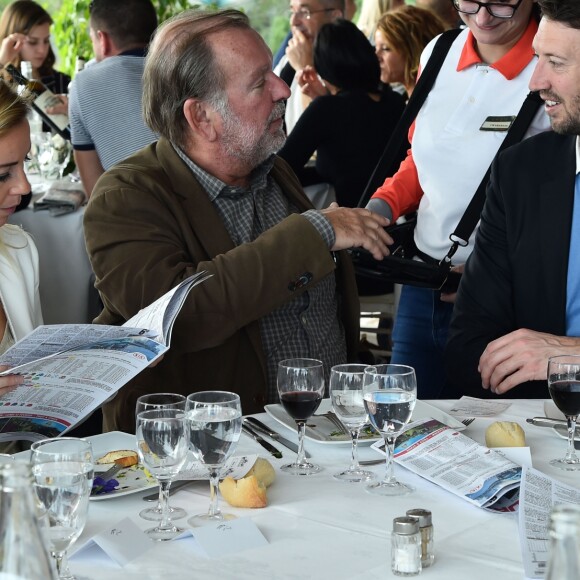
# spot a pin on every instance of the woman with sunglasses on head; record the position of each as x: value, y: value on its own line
x: 477, y: 94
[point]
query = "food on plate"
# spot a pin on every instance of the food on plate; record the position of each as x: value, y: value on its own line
x: 505, y: 434
x: 123, y: 457
x: 250, y: 490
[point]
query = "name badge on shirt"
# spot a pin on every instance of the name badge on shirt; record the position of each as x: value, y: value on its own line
x: 497, y: 124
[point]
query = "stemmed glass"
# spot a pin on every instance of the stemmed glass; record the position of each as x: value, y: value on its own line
x: 214, y: 422
x: 564, y: 386
x: 390, y: 394
x: 157, y: 401
x: 301, y: 388
x: 62, y: 469
x: 346, y: 395
x: 162, y: 447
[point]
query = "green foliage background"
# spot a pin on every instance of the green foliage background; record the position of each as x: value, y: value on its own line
x: 70, y: 29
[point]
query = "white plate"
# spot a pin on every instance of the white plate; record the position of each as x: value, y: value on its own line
x: 131, y: 479
x: 322, y: 430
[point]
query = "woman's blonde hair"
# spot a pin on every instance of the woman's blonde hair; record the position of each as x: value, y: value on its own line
x: 13, y: 109
x: 21, y: 16
x: 408, y: 30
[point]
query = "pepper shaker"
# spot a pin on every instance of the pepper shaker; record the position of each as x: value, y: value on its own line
x: 406, y: 547
x: 426, y: 529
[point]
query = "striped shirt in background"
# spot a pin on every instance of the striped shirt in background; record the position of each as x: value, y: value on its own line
x: 105, y: 108
x: 307, y: 326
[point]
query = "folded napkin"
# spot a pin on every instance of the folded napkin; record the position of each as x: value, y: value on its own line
x: 63, y: 196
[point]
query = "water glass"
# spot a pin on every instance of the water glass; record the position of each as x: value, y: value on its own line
x: 162, y: 448
x: 346, y: 395
x: 214, y: 423
x: 62, y: 469
x: 390, y: 394
x: 151, y: 402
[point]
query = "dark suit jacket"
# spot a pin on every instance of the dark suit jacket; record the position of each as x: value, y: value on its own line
x: 516, y: 276
x: 149, y: 225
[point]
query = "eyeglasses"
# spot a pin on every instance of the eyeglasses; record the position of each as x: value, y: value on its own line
x: 496, y: 9
x: 306, y: 13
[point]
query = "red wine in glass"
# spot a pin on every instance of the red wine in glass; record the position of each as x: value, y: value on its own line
x: 301, y: 405
x: 566, y: 396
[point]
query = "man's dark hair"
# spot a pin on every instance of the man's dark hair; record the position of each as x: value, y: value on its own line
x: 129, y: 23
x: 344, y: 57
x: 565, y: 11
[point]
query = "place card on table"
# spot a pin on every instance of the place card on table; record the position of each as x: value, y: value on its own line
x: 121, y: 543
x: 226, y: 538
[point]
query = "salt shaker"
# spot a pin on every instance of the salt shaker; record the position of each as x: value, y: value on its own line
x: 426, y: 529
x: 406, y: 547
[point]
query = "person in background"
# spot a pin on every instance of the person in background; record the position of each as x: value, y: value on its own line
x: 306, y: 18
x: 105, y: 98
x: 371, y: 12
x: 443, y: 8
x: 25, y: 35
x: 349, y: 123
x: 484, y: 76
x: 400, y: 38
x: 211, y: 195
x: 20, y: 311
x: 519, y: 301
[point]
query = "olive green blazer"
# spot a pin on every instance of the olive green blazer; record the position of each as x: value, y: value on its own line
x: 149, y: 225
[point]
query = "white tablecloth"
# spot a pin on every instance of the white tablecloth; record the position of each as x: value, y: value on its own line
x: 321, y: 528
x: 67, y: 292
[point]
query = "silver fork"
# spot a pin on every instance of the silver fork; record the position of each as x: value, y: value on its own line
x: 335, y: 421
x: 469, y: 421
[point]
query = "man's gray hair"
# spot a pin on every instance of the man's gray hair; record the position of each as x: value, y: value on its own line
x: 181, y: 65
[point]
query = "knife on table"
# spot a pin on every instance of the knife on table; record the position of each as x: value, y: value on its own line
x: 267, y: 446
x: 257, y: 425
x: 549, y: 422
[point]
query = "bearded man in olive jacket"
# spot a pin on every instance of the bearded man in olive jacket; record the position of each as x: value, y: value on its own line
x: 211, y: 195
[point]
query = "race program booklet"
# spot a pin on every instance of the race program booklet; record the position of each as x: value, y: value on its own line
x: 72, y: 369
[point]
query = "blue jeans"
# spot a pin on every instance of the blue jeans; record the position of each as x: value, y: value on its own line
x: 419, y: 337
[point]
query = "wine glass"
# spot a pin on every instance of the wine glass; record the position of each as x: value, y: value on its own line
x: 157, y: 401
x: 62, y: 469
x: 346, y: 395
x: 564, y: 386
x: 214, y: 423
x: 390, y: 394
x: 162, y: 447
x: 301, y: 388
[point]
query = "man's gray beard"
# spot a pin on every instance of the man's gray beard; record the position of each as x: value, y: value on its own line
x: 241, y: 140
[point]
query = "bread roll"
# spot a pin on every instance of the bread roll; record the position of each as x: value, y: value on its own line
x: 123, y: 457
x: 247, y: 492
x: 505, y: 434
x: 250, y: 491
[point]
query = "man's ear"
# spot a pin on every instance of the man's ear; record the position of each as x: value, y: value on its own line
x: 107, y: 46
x: 201, y: 118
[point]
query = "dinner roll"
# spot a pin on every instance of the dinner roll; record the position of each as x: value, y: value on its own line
x: 249, y: 491
x: 123, y: 457
x: 505, y: 434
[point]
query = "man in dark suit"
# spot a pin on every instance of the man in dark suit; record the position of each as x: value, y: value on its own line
x: 211, y: 195
x: 519, y: 300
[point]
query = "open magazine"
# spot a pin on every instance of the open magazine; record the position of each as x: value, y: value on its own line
x: 442, y: 455
x: 72, y: 369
